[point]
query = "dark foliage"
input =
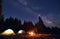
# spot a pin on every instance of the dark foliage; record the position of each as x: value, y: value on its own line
x: 15, y: 24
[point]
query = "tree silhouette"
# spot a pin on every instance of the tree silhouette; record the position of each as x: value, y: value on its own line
x: 40, y: 26
x: 28, y: 26
x: 16, y: 25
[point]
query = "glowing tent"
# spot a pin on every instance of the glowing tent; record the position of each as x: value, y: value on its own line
x: 20, y: 31
x: 8, y: 32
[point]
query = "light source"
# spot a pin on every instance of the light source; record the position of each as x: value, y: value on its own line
x: 31, y: 33
x: 8, y: 32
x: 20, y: 31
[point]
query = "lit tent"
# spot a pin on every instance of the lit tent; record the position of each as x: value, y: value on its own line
x: 8, y: 32
x: 20, y: 32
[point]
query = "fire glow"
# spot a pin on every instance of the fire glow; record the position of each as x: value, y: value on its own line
x: 31, y: 33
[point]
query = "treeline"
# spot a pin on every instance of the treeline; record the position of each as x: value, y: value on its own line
x: 16, y: 25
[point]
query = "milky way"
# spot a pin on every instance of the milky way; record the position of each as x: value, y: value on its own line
x: 28, y: 10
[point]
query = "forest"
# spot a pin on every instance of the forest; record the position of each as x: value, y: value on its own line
x: 16, y: 25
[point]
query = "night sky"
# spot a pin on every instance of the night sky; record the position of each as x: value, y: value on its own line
x: 29, y: 10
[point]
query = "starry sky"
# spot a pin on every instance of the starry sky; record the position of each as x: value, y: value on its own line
x: 29, y: 10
